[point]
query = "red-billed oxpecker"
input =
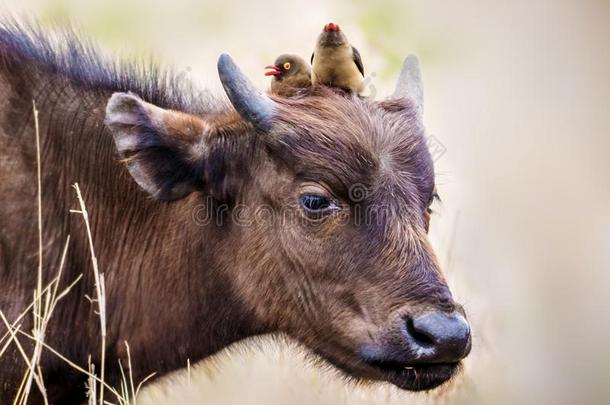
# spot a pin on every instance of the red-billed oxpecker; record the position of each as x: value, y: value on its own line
x: 335, y: 62
x: 290, y: 73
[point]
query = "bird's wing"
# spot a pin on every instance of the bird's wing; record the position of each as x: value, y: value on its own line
x: 311, y: 60
x: 357, y: 60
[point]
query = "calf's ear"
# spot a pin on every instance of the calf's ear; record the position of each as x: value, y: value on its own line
x: 161, y: 148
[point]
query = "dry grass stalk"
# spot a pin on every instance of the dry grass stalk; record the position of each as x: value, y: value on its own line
x: 91, y: 384
x: 100, y: 289
x: 39, y: 315
x: 41, y: 312
x: 188, y: 370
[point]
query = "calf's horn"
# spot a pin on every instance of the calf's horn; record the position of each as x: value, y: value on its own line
x: 409, y: 84
x: 253, y: 105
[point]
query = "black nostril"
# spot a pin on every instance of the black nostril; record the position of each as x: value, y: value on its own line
x: 439, y: 336
x: 420, y: 337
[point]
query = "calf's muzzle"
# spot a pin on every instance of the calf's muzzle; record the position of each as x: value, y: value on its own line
x: 437, y: 337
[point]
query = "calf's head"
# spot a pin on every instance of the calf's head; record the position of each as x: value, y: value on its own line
x: 324, y: 222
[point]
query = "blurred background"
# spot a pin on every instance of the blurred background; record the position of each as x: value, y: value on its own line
x: 518, y: 102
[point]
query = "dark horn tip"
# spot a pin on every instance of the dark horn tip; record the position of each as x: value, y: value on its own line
x: 411, y: 58
x: 412, y: 63
x: 224, y: 60
x: 225, y: 64
x: 251, y: 103
x: 409, y: 83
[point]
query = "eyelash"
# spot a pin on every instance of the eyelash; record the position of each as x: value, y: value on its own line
x: 435, y: 198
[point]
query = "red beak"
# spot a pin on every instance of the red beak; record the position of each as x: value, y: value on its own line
x: 331, y: 27
x: 274, y: 70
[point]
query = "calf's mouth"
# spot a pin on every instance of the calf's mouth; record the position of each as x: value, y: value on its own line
x: 418, y: 377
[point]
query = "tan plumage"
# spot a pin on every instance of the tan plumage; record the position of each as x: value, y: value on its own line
x: 290, y: 73
x: 335, y: 62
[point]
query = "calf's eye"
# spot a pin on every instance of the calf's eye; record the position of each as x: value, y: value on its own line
x: 317, y: 205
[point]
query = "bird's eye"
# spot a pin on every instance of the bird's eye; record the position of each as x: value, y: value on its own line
x: 316, y: 205
x: 287, y: 65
